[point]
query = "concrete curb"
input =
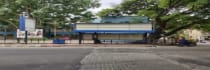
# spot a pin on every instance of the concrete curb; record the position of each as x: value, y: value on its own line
x: 74, y: 45
x: 86, y: 45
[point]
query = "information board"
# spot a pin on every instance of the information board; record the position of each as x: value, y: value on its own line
x: 38, y: 33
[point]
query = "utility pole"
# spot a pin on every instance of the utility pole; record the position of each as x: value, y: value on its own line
x: 55, y: 30
x: 26, y: 32
x: 5, y: 33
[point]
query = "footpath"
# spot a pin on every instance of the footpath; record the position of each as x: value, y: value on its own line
x: 74, y: 45
x: 207, y: 44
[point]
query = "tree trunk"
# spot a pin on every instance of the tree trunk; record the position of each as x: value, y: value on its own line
x: 153, y: 38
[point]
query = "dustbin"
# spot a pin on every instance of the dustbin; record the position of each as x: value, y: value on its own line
x: 58, y: 41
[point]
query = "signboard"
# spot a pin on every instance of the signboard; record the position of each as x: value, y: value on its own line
x: 22, y: 23
x: 37, y: 33
x: 30, y: 24
x: 114, y: 27
x: 26, y: 23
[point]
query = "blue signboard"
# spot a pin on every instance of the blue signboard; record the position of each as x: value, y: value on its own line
x: 22, y: 23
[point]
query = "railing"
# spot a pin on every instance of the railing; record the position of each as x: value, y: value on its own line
x: 42, y: 41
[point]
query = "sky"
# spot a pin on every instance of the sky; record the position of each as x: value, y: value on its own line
x: 106, y: 4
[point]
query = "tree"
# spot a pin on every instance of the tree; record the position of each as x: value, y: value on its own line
x: 45, y: 10
x: 169, y: 16
x: 108, y: 12
x: 7, y: 13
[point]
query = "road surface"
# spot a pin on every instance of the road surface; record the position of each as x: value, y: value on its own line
x: 103, y: 58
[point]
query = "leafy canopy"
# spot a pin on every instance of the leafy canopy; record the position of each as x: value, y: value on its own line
x: 169, y: 16
x: 61, y: 11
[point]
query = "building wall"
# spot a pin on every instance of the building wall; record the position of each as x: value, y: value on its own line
x: 193, y: 34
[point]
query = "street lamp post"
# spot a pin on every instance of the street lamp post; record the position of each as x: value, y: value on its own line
x: 55, y: 30
x: 25, y: 14
x: 5, y: 33
x: 1, y: 29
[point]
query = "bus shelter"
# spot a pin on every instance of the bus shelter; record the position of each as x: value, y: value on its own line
x: 113, y: 31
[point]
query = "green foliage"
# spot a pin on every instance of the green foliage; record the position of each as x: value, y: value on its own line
x: 169, y: 16
x: 196, y: 4
x: 107, y: 12
x: 163, y: 3
x: 148, y: 13
x: 205, y: 27
x: 47, y: 10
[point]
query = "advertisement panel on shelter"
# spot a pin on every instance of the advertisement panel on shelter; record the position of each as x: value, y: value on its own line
x: 38, y: 33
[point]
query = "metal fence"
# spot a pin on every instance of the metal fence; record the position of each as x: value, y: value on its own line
x: 42, y: 41
x: 50, y: 41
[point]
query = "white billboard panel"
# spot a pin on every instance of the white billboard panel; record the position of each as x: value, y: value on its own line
x: 38, y: 33
x: 30, y: 24
x: 114, y: 26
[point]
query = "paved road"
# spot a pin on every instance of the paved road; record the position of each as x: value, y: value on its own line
x: 42, y: 58
x: 142, y: 58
